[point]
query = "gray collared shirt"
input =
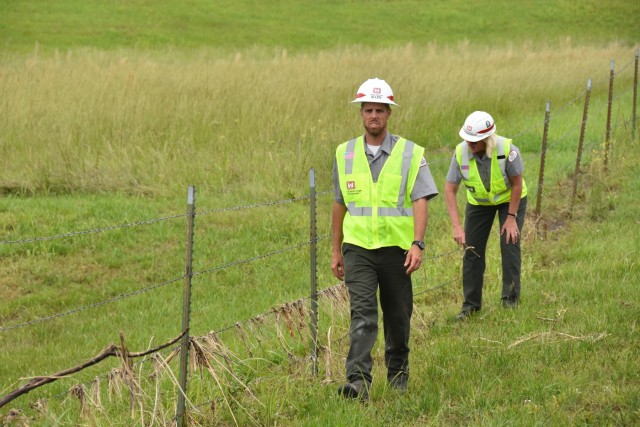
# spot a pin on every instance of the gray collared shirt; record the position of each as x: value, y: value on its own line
x: 423, y: 187
x: 513, y: 167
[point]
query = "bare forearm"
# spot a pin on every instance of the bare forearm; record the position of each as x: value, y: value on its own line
x: 339, y: 211
x: 420, y: 218
x: 516, y: 193
x: 450, y: 191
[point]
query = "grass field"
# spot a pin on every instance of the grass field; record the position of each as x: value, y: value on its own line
x: 107, y: 114
x: 309, y: 26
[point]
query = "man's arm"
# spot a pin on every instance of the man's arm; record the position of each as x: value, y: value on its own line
x: 337, y: 219
x: 510, y: 226
x: 450, y: 191
x: 420, y: 220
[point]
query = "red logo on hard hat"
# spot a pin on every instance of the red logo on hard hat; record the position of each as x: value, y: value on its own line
x: 377, y: 90
x: 469, y: 128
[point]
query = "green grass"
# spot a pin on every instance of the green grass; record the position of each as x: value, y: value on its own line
x: 120, y: 108
x: 303, y: 26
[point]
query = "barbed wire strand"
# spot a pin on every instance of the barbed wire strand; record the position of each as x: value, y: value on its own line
x: 86, y: 307
x: 155, y: 220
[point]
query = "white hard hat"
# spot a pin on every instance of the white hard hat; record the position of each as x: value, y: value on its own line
x: 375, y: 90
x: 478, y: 126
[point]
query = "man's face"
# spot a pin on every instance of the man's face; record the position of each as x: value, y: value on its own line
x: 375, y: 117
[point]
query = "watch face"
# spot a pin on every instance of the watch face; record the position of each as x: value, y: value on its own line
x: 419, y: 244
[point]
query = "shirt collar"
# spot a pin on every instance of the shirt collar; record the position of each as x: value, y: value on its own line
x: 387, y: 143
x: 475, y: 156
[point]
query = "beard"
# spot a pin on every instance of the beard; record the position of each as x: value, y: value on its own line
x: 374, y: 131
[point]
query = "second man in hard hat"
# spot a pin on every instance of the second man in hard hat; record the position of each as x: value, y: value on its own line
x: 381, y: 187
x: 490, y: 167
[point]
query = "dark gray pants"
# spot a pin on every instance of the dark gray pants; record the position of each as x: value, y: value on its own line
x: 365, y: 272
x: 477, y: 227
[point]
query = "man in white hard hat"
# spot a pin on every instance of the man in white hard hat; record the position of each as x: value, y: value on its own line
x: 490, y: 167
x: 379, y: 223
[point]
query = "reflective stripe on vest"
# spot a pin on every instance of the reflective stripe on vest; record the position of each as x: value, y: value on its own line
x: 400, y: 210
x: 476, y: 192
x: 378, y: 214
x: 502, y: 161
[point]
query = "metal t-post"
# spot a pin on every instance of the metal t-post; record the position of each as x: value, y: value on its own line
x: 635, y: 98
x: 607, y: 141
x: 313, y: 271
x: 186, y: 310
x: 542, y: 161
x: 576, y: 173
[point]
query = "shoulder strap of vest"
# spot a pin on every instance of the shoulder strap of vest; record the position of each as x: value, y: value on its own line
x: 501, y: 142
x: 463, y: 160
x: 350, y: 154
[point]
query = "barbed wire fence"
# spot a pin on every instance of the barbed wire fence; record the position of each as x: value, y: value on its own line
x: 288, y: 324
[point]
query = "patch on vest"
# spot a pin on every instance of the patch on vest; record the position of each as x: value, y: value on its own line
x: 351, y: 188
x: 512, y: 156
x: 349, y: 155
x: 471, y: 189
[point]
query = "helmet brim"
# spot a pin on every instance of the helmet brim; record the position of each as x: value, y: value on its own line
x: 376, y: 101
x: 471, y: 138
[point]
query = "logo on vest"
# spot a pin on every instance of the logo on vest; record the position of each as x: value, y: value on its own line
x: 471, y: 189
x: 351, y: 189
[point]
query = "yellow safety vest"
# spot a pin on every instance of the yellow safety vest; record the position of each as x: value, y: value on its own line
x: 378, y: 214
x: 500, y: 186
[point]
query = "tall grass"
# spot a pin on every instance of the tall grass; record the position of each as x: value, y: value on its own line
x: 138, y: 123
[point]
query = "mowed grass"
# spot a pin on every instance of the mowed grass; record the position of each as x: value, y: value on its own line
x: 306, y: 26
x: 103, y: 124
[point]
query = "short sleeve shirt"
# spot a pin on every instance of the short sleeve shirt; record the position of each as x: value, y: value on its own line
x: 513, y: 167
x: 423, y: 187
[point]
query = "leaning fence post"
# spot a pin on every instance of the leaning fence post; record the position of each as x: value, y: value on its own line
x: 313, y: 271
x: 607, y: 140
x: 186, y: 310
x: 542, y: 160
x: 580, y: 143
x: 635, y: 98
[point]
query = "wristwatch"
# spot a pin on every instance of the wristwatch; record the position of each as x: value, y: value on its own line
x: 419, y: 243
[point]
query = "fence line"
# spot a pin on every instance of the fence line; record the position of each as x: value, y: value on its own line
x: 155, y: 220
x: 86, y: 307
x: 165, y: 347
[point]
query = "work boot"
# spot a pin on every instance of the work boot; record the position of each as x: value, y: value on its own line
x: 509, y: 303
x: 399, y: 382
x: 466, y: 313
x: 354, y: 390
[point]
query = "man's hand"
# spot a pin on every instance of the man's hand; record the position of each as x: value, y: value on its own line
x: 413, y: 260
x: 337, y: 266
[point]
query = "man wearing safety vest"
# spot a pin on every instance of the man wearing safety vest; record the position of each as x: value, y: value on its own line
x: 490, y: 167
x: 381, y: 183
